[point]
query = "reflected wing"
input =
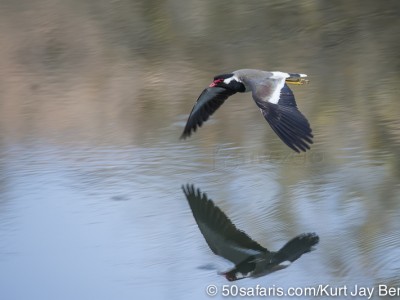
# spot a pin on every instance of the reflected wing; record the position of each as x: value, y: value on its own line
x: 222, y: 236
x: 296, y: 247
x: 207, y: 103
x: 286, y: 120
x: 290, y: 252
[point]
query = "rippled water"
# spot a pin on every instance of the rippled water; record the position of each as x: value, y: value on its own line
x: 94, y: 97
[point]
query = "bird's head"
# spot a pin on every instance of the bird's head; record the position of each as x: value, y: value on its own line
x: 229, y: 81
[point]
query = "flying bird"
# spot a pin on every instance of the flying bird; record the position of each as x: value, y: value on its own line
x: 224, y: 239
x: 271, y: 94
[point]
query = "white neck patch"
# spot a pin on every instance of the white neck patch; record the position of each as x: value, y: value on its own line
x: 228, y: 80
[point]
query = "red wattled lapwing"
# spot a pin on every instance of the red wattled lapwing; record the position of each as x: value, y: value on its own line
x: 271, y: 94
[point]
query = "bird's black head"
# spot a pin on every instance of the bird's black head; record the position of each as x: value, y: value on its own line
x: 228, y: 81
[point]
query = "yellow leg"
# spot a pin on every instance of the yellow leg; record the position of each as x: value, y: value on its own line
x: 297, y: 81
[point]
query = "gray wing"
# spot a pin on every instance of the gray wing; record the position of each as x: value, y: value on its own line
x: 221, y: 235
x: 207, y: 103
x: 286, y: 120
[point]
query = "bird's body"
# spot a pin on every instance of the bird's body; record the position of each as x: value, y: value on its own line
x: 224, y: 239
x: 271, y: 94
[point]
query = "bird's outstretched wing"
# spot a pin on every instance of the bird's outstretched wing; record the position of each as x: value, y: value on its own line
x: 286, y: 120
x: 290, y: 252
x: 207, y: 103
x: 296, y: 247
x: 222, y: 236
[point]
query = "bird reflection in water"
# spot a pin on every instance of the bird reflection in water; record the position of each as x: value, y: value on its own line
x: 224, y: 239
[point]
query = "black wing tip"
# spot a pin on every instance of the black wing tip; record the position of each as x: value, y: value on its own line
x: 186, y: 187
x: 190, y: 190
x: 311, y: 238
x: 295, y: 142
x: 184, y: 135
x: 299, y: 141
x: 297, y: 246
x: 187, y: 132
x: 290, y: 126
x: 190, y: 129
x: 300, y: 147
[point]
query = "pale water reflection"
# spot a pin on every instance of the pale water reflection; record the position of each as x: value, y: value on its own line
x: 94, y: 97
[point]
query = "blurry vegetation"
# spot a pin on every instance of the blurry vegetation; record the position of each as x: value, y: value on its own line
x: 123, y: 59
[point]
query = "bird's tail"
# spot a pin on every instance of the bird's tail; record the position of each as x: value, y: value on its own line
x: 296, y: 247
